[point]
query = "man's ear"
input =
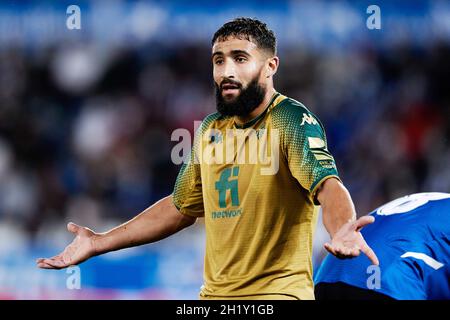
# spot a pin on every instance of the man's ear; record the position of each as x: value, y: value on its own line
x: 272, y: 66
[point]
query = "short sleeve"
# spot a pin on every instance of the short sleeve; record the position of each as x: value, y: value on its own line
x: 305, y: 148
x: 188, y: 194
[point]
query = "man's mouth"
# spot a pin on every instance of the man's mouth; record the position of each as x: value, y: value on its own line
x: 229, y: 88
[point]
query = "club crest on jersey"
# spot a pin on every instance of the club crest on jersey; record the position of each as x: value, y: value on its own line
x: 309, y: 119
x: 261, y: 131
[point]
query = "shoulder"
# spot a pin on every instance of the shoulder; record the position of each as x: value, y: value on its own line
x: 210, y: 118
x: 292, y: 113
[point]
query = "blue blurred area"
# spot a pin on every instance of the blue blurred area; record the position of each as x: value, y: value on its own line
x: 86, y: 118
x: 172, y: 270
x: 321, y: 24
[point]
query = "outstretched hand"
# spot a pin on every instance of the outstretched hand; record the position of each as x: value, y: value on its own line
x: 81, y: 249
x: 348, y: 241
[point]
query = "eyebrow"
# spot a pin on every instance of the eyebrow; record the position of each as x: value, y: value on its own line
x: 233, y: 52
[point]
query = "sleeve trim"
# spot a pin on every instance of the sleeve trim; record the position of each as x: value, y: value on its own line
x: 180, y: 206
x: 187, y: 213
x: 317, y: 184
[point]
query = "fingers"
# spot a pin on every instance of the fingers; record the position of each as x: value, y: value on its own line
x: 342, y: 252
x: 56, y: 262
x: 348, y: 252
x: 363, y: 221
x: 72, y: 227
x: 42, y: 260
x: 50, y: 263
x: 370, y: 254
x: 329, y: 248
x: 43, y: 265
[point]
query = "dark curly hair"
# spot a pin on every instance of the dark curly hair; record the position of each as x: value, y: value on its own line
x: 249, y: 29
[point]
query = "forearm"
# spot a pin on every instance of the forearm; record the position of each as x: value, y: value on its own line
x: 155, y: 223
x: 337, y: 205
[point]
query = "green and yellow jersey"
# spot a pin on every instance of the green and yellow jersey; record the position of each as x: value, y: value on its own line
x: 255, y: 185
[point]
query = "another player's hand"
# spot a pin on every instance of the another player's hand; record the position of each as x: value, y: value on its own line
x: 347, y: 242
x: 81, y: 249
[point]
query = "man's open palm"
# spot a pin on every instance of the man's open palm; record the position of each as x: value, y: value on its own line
x: 79, y: 250
x: 348, y: 241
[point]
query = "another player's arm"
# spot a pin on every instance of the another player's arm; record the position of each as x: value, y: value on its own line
x: 155, y: 223
x: 339, y: 218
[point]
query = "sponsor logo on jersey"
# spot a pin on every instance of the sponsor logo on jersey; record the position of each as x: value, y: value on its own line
x: 226, y: 214
x: 225, y: 184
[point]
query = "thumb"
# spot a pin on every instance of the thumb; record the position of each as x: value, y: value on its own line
x: 74, y: 228
x: 363, y: 221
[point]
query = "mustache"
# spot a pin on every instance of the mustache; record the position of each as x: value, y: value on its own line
x: 246, y: 101
x: 230, y: 82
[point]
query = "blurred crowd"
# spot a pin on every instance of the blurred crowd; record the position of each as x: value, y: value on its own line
x: 85, y: 132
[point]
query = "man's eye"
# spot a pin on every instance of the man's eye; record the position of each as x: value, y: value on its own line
x: 241, y: 59
x: 218, y: 61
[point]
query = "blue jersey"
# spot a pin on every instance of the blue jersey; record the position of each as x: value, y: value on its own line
x: 411, y: 238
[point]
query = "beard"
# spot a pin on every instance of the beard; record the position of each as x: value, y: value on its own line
x: 247, y: 100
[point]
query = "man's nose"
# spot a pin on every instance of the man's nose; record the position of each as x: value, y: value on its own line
x: 229, y: 70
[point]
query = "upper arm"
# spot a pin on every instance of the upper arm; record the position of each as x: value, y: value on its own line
x: 329, y: 187
x: 175, y: 217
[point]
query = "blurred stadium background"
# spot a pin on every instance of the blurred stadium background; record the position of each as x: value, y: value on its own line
x: 86, y: 118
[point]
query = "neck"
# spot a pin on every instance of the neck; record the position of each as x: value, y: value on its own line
x: 258, y: 110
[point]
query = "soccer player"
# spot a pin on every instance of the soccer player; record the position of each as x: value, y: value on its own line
x: 259, y: 215
x: 412, y: 238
